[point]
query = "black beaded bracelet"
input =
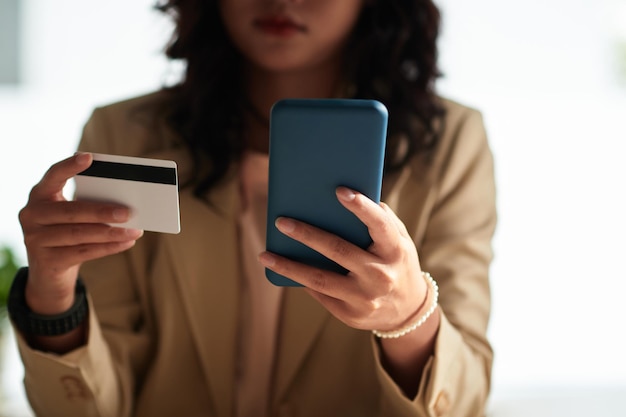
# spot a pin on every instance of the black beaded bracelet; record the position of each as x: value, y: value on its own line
x: 31, y: 323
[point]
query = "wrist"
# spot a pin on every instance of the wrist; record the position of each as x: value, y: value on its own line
x: 48, y: 302
x: 424, y: 312
x: 34, y: 323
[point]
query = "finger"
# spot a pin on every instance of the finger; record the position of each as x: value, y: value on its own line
x: 346, y: 313
x: 346, y: 254
x: 380, y: 224
x: 66, y: 212
x: 79, y: 234
x: 322, y: 281
x: 62, y: 258
x: 336, y: 307
x: 392, y: 215
x: 53, y: 181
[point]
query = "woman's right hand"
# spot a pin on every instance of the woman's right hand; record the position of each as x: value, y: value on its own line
x: 60, y: 235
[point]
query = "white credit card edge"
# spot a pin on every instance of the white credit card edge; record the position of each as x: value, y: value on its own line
x: 134, y: 160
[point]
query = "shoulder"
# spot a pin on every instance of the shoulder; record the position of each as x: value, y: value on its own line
x: 459, y: 115
x: 462, y: 138
x: 457, y: 107
x: 133, y: 126
x: 455, y: 178
x: 144, y: 103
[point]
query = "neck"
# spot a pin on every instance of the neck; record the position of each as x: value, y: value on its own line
x: 265, y: 88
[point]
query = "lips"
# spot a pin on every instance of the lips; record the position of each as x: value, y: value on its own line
x: 282, y: 26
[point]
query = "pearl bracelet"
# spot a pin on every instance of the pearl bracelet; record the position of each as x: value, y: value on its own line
x: 394, y: 334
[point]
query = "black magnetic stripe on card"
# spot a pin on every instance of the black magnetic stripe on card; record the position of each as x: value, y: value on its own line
x: 131, y: 172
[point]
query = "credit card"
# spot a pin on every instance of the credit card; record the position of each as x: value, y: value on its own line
x: 148, y: 186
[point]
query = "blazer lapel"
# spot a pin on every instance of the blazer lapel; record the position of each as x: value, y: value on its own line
x: 302, y: 321
x: 205, y: 258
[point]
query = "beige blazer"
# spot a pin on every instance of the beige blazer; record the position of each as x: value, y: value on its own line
x: 163, y: 315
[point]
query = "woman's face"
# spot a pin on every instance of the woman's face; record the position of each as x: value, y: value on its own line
x: 290, y: 35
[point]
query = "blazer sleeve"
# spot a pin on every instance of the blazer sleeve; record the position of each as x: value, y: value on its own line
x: 455, y: 247
x: 99, y: 378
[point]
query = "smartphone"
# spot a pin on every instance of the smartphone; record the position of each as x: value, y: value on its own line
x: 315, y: 146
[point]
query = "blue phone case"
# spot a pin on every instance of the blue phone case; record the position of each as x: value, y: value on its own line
x: 317, y: 145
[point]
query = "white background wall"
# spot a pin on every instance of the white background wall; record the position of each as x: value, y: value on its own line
x: 544, y: 74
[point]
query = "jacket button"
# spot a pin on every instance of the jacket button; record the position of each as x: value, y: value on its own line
x: 74, y: 387
x: 442, y: 404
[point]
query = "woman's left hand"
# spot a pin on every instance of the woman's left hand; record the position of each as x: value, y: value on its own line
x: 384, y: 288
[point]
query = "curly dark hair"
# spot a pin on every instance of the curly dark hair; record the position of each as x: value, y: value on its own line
x: 391, y: 57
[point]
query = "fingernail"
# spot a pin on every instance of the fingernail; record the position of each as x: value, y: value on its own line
x: 136, y: 233
x: 267, y: 259
x: 345, y: 194
x: 120, y: 214
x: 82, y: 157
x: 285, y: 225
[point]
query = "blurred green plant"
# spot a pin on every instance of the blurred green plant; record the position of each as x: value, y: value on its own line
x: 8, y: 268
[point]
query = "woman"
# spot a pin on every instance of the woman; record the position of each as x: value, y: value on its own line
x: 187, y: 324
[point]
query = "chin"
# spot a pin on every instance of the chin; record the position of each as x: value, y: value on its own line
x: 287, y: 63
x: 282, y: 65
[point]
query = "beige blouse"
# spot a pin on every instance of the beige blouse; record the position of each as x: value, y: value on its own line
x: 259, y: 316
